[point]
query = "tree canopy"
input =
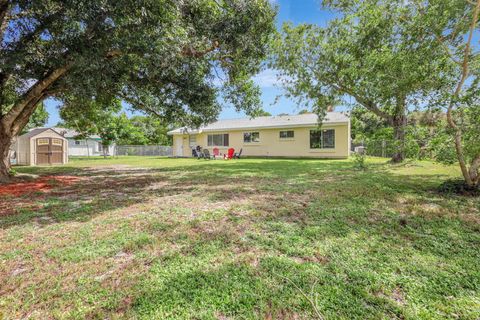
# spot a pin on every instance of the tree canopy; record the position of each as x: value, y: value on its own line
x: 162, y: 56
x: 106, y: 121
x: 146, y: 130
x: 454, y: 25
x: 370, y: 52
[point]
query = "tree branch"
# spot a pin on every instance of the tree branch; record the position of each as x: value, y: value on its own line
x: 463, y: 77
x: 465, y: 66
x: 132, y: 101
x: 4, y: 13
x: 447, y: 49
x: 23, y: 118
x: 33, y: 93
x: 192, y: 52
x: 369, y: 105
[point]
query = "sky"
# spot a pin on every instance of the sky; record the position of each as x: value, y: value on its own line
x: 295, y: 11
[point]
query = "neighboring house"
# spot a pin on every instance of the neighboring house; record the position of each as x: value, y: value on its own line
x: 275, y: 136
x: 40, y: 146
x: 90, y: 146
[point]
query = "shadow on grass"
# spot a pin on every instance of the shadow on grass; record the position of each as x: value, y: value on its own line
x: 352, y: 236
x: 280, y: 181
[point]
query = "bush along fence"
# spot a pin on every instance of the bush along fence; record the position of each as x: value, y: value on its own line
x: 152, y: 150
x: 414, y: 149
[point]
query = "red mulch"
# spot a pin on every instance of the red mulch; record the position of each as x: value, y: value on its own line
x: 42, y: 184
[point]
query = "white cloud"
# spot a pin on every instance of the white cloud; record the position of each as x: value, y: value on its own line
x: 267, y: 79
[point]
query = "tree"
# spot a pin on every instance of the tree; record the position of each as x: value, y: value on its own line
x: 39, y: 118
x: 95, y: 118
x: 365, y: 124
x: 159, y: 55
x: 146, y: 130
x: 304, y: 111
x: 453, y: 25
x: 263, y: 113
x: 369, y: 53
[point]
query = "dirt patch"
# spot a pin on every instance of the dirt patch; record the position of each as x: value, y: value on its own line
x: 42, y: 184
x: 396, y: 295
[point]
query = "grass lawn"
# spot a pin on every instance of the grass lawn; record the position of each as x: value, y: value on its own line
x: 156, y: 238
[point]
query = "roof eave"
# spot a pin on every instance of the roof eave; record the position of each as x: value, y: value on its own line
x: 305, y: 125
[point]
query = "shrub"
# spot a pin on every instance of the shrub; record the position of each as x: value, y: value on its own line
x: 359, y: 160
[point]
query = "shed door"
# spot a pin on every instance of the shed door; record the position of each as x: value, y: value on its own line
x: 49, y: 151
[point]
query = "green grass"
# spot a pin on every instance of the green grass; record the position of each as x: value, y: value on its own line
x: 158, y: 238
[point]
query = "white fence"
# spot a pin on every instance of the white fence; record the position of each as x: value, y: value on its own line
x: 155, y: 150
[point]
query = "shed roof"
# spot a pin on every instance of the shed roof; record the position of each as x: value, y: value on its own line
x: 37, y: 131
x: 287, y: 121
x: 64, y: 132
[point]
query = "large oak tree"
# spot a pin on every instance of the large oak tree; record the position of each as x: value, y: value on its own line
x: 370, y: 53
x: 163, y: 56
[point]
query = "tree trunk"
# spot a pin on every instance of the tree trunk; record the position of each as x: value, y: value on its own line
x: 399, y: 124
x: 474, y: 172
x: 12, y: 123
x: 5, y: 143
x: 105, y: 150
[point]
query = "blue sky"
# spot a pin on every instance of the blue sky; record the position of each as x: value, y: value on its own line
x: 296, y: 11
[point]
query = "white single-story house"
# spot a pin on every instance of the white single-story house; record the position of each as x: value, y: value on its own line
x: 41, y: 146
x: 90, y: 146
x: 272, y: 136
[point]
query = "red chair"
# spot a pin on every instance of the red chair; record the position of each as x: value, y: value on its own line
x: 216, y: 152
x: 230, y: 153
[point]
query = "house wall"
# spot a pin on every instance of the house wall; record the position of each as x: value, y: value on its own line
x: 271, y: 145
x: 89, y: 147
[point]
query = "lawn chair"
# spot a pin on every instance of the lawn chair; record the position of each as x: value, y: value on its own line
x: 230, y: 153
x: 238, y: 155
x: 206, y: 154
x: 198, y: 149
x: 216, y: 153
x: 196, y: 154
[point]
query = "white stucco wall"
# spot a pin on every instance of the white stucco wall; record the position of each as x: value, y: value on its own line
x: 89, y: 147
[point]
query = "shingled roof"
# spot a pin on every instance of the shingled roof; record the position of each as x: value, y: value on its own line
x: 287, y: 121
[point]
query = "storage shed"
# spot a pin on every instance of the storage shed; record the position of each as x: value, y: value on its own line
x: 42, y: 146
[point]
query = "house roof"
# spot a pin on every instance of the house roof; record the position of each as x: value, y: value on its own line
x: 70, y: 133
x: 64, y: 132
x: 288, y: 121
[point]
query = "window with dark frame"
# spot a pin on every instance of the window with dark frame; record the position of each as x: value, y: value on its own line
x: 217, y: 140
x: 322, y: 139
x: 77, y: 142
x: 251, y: 137
x: 289, y: 134
x: 192, y: 141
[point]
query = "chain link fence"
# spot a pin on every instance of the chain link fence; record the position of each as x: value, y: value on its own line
x: 415, y: 149
x: 154, y: 150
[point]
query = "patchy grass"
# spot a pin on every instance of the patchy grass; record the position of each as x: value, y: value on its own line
x: 156, y: 238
